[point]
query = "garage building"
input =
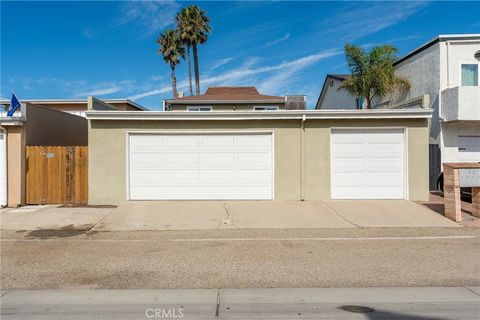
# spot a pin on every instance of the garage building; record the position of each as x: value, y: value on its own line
x: 282, y: 155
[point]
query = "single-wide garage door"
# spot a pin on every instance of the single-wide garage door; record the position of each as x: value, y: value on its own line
x: 368, y: 164
x: 200, y: 166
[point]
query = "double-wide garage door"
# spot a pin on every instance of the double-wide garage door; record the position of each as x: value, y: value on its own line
x: 368, y: 164
x: 200, y: 166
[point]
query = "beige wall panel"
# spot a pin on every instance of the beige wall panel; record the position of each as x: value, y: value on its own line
x: 418, y: 163
x: 15, y: 166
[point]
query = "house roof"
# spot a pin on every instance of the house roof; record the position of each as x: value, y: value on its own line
x: 76, y: 101
x: 228, y: 94
x: 340, y: 77
x: 439, y: 38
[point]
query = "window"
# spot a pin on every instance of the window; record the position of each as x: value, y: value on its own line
x: 359, y: 103
x: 199, y: 108
x: 265, y: 108
x: 330, y: 84
x: 469, y: 74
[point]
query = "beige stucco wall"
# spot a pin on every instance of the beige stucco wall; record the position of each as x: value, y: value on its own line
x: 107, y: 154
x: 229, y: 107
x: 15, y: 165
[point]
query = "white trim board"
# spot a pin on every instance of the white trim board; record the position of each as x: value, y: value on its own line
x: 262, y: 115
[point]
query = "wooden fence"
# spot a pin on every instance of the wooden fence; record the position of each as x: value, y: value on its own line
x: 57, y: 175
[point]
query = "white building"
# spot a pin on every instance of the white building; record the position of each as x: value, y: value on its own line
x: 446, y: 69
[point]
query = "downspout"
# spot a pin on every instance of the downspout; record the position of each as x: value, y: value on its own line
x: 302, y: 157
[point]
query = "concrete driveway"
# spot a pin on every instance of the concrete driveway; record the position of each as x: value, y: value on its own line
x: 189, y: 215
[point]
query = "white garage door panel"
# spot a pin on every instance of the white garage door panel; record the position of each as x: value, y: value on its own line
x: 367, y: 164
x: 207, y: 166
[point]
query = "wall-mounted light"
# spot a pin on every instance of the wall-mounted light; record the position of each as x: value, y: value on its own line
x: 477, y: 55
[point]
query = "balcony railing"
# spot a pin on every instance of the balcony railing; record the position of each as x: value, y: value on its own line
x: 16, y: 114
x: 461, y: 104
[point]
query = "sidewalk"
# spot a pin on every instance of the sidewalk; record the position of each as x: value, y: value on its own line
x: 303, y: 303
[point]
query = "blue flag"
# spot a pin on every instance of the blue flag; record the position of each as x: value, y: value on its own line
x: 14, y: 105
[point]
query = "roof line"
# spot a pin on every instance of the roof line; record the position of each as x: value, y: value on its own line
x: 419, y: 113
x: 215, y: 101
x: 439, y: 38
x: 60, y: 101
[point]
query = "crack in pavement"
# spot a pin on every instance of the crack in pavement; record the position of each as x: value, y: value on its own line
x: 217, y: 310
x: 227, y: 212
x: 4, y: 293
x: 338, y: 213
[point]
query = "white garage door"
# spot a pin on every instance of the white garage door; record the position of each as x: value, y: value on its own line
x: 368, y: 164
x: 3, y: 169
x: 206, y: 166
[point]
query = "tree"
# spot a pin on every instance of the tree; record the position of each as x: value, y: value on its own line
x: 171, y: 49
x: 194, y: 27
x: 373, y: 74
x: 187, y: 36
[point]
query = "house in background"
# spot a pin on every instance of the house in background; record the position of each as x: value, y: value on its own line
x: 446, y: 69
x: 59, y: 123
x: 79, y: 106
x: 333, y: 98
x: 235, y: 99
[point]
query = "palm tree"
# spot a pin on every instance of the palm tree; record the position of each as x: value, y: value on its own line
x: 373, y: 74
x: 171, y: 49
x: 185, y: 29
x: 194, y: 27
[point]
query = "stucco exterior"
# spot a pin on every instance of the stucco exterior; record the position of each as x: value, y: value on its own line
x: 423, y: 72
x: 15, y: 165
x: 108, y: 153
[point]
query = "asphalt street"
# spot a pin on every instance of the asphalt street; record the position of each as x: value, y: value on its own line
x: 241, y: 258
x: 459, y: 303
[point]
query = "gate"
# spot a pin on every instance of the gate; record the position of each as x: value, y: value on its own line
x: 57, y: 175
x: 435, y: 165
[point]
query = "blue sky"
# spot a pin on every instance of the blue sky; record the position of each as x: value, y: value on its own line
x: 108, y: 49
